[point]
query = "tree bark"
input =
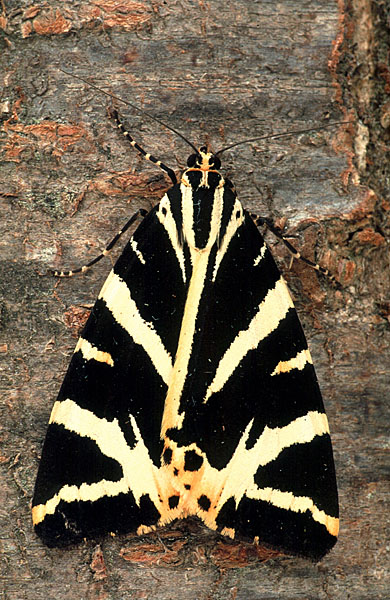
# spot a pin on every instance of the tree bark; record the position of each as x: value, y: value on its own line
x: 218, y: 73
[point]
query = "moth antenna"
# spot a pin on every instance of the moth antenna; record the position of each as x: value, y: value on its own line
x: 279, y: 135
x: 140, y: 110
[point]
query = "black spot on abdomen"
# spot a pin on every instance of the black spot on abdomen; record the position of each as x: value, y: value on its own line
x: 173, y: 501
x: 204, y: 502
x: 192, y: 461
x: 167, y: 456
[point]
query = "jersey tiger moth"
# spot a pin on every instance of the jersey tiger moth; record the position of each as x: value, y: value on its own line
x: 191, y: 391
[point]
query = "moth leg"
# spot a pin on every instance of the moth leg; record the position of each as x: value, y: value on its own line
x: 140, y: 213
x: 171, y: 174
x: 294, y: 252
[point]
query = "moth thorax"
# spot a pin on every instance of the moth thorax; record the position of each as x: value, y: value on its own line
x: 199, y: 178
x: 202, y: 211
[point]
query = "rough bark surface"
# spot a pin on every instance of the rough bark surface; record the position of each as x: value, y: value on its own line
x: 218, y: 72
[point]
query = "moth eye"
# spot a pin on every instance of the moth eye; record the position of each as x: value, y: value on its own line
x: 216, y: 163
x: 191, y: 161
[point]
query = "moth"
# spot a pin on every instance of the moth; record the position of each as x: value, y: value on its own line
x: 191, y: 391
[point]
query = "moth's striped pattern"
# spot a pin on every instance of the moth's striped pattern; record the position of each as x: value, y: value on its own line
x: 191, y: 391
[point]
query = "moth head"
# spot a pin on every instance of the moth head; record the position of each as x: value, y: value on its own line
x: 204, y: 160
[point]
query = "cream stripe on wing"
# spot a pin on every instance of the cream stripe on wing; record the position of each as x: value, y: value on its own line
x: 90, y: 352
x: 297, y: 362
x: 233, y: 225
x: 288, y: 501
x: 234, y: 481
x: 169, y: 224
x: 139, y: 473
x: 271, y: 311
x: 260, y: 256
x: 86, y: 492
x: 300, y: 431
x: 187, y: 211
x: 171, y: 416
x: 116, y: 295
x: 136, y: 251
x: 267, y: 448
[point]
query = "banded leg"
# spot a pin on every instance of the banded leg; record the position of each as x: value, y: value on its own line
x: 295, y: 254
x: 140, y: 213
x: 119, y: 124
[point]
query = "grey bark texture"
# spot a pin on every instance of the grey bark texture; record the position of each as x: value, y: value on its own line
x: 218, y: 72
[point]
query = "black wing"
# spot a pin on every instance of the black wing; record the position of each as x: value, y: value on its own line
x: 102, y: 450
